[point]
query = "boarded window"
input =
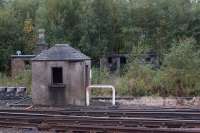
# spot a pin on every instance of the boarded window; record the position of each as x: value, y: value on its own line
x: 57, y: 75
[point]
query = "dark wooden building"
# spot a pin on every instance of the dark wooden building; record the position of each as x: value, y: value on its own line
x: 114, y: 62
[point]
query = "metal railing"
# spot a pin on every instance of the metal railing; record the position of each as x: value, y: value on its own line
x: 88, y: 89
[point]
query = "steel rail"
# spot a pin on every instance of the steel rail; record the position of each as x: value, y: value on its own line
x: 53, y: 121
x: 95, y: 127
x: 113, y: 113
x: 99, y: 110
x: 88, y: 119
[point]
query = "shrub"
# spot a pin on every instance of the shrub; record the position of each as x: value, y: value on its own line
x: 178, y: 76
x: 137, y: 78
x: 100, y: 76
x: 181, y: 69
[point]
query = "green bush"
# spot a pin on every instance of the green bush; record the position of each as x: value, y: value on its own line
x: 100, y: 76
x: 137, y: 81
x: 178, y: 76
x: 181, y: 69
x: 137, y: 78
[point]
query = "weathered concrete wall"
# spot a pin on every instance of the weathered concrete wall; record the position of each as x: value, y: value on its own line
x: 73, y: 79
x: 76, y: 84
x: 160, y: 101
x: 17, y: 66
x: 40, y: 93
x: 19, y: 63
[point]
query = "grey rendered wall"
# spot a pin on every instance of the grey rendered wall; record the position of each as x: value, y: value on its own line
x: 40, y: 94
x: 76, y: 94
x: 41, y: 80
x: 17, y: 66
x: 65, y: 67
x: 73, y: 78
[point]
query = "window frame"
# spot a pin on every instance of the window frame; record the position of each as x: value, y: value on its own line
x: 52, y: 75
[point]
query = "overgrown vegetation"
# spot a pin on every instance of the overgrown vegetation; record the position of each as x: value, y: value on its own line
x: 96, y: 27
x: 23, y: 79
x: 178, y: 76
x: 103, y: 27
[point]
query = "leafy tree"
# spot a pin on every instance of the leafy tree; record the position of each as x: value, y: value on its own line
x: 101, y: 27
x: 11, y: 38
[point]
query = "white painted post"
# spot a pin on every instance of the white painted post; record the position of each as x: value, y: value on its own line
x: 88, y: 96
x: 99, y: 87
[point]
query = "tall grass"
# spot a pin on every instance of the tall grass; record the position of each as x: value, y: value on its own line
x: 22, y: 79
x: 178, y: 76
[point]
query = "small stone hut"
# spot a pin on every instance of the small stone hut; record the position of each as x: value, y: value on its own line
x: 60, y: 76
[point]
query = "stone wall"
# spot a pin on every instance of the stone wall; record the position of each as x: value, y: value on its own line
x: 17, y: 66
x: 19, y: 63
x: 163, y: 102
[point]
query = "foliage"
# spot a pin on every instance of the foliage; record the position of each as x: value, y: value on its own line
x: 12, y: 17
x: 137, y: 78
x: 98, y: 27
x: 179, y: 75
x: 182, y: 68
x: 10, y: 38
x: 103, y: 27
x: 23, y: 79
x: 100, y: 76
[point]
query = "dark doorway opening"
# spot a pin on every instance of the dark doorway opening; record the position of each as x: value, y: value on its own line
x: 110, y: 60
x: 87, y: 74
x: 57, y: 75
x: 27, y: 64
x: 123, y: 60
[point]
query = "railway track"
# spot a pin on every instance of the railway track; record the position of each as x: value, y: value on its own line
x: 160, y: 113
x: 88, y: 120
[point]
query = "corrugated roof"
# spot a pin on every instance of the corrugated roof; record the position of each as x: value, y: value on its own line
x: 61, y: 52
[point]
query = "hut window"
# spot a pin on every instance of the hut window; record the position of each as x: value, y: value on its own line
x: 57, y: 75
x: 122, y: 60
x: 109, y: 60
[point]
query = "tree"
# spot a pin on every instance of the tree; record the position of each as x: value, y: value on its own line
x: 11, y: 38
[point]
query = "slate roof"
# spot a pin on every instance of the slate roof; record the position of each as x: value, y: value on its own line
x: 61, y: 52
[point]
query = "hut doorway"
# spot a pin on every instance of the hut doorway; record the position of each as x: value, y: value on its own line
x: 57, y: 89
x: 87, y: 78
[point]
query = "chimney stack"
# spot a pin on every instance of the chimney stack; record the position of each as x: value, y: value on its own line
x: 41, y: 44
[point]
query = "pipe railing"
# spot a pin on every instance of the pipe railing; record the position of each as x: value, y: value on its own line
x: 88, y: 89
